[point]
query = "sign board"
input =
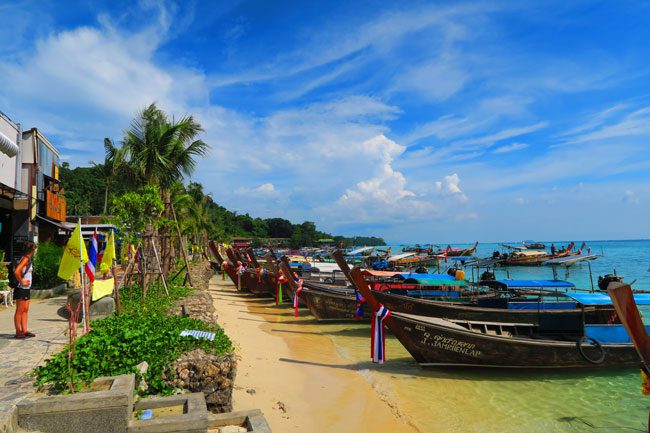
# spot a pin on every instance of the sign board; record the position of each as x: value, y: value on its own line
x: 55, y: 206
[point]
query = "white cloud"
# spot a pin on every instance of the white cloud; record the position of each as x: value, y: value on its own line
x: 452, y: 185
x: 266, y: 187
x: 510, y: 148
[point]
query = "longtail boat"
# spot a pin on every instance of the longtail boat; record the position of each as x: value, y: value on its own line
x: 531, y: 245
x: 435, y: 342
x: 458, y: 252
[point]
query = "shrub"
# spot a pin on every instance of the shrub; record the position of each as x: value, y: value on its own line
x: 46, y: 265
x: 141, y: 332
x: 117, y: 344
x: 4, y: 272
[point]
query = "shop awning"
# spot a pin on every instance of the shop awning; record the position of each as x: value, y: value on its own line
x: 58, y: 224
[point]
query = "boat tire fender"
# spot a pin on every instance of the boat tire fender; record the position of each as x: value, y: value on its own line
x: 596, y: 344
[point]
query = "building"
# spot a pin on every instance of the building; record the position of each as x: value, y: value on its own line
x: 41, y: 161
x: 14, y: 194
x: 32, y: 206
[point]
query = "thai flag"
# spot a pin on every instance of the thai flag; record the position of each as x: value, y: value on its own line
x: 92, y: 258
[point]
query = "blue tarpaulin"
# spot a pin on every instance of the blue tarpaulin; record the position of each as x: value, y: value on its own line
x: 536, y: 284
x: 603, y: 299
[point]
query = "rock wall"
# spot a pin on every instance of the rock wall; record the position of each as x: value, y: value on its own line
x: 198, y: 371
x: 198, y: 305
x: 213, y: 375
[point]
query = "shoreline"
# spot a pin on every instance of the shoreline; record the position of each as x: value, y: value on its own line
x: 295, y: 374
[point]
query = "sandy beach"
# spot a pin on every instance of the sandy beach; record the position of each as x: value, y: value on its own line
x: 295, y: 375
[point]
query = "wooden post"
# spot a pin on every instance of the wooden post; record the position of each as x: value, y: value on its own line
x: 180, y: 239
x: 155, y: 252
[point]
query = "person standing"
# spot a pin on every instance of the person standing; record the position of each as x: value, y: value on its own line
x: 22, y: 293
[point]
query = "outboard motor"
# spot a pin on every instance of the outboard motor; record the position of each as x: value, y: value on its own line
x: 452, y: 271
x: 421, y: 270
x: 487, y: 276
x: 604, y: 280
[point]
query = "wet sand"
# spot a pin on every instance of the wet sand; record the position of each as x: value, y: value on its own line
x: 295, y: 375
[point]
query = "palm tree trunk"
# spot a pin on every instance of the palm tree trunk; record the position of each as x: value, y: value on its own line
x: 106, y: 198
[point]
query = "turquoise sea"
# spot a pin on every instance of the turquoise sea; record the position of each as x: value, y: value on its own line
x: 513, y: 401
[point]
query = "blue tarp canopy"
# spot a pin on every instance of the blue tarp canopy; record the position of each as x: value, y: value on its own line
x: 535, y: 284
x: 603, y: 299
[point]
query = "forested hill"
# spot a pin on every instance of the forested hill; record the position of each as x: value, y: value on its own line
x: 89, y: 191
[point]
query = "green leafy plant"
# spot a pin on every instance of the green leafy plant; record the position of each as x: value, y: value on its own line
x: 46, y: 265
x: 117, y: 344
x: 4, y: 272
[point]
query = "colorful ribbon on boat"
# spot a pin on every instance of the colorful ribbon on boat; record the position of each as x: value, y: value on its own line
x: 296, y: 296
x: 224, y: 266
x: 279, y: 280
x: 358, y: 314
x: 260, y: 271
x: 240, y: 268
x: 645, y: 383
x: 377, y: 337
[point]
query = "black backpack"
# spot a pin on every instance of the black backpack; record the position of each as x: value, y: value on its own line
x: 11, y: 267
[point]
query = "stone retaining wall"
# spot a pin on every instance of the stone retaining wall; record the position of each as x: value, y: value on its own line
x: 214, y: 376
x: 198, y: 371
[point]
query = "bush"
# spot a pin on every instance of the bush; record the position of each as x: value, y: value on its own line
x: 4, y: 272
x: 117, y: 344
x: 141, y: 332
x: 46, y: 265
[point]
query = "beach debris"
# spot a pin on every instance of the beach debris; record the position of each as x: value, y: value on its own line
x: 251, y: 391
x: 281, y: 406
x: 198, y: 334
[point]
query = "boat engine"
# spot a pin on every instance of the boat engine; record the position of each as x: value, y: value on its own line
x: 487, y: 276
x: 604, y: 280
x: 421, y: 270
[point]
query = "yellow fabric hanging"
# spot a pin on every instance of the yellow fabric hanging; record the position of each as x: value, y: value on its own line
x: 103, y: 288
x: 73, y: 257
x: 109, y: 254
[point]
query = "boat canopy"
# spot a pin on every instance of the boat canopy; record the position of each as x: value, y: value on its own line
x: 405, y: 275
x: 400, y: 256
x: 360, y: 250
x: 527, y: 253
x: 435, y: 282
x: 566, y: 261
x: 603, y: 299
x: 535, y: 284
x: 325, y: 267
x: 373, y: 273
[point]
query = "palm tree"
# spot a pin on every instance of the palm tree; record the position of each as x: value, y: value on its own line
x: 112, y: 162
x: 160, y: 151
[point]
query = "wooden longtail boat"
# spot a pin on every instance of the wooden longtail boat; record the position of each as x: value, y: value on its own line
x: 328, y: 303
x: 533, y: 245
x: 249, y: 278
x: 435, y: 342
x: 265, y: 278
x: 229, y: 268
x: 458, y: 252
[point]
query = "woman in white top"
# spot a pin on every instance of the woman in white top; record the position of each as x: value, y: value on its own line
x: 22, y: 293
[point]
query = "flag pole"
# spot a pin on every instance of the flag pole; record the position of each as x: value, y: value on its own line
x: 116, y: 286
x: 81, y: 271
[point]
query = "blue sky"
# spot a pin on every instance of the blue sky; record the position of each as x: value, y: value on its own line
x: 415, y: 121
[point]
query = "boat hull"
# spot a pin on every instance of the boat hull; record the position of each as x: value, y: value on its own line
x: 439, y: 344
x: 328, y: 305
